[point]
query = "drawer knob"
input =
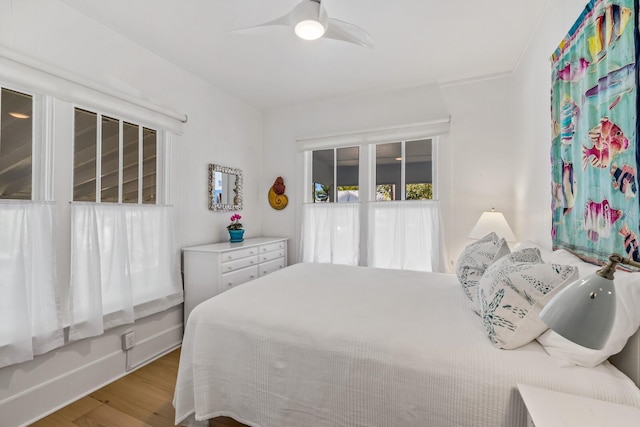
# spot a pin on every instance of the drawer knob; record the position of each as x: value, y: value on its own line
x: 230, y: 284
x: 251, y: 262
x: 252, y: 276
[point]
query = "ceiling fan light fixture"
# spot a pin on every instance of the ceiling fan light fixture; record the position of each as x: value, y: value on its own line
x: 309, y: 29
x: 310, y: 20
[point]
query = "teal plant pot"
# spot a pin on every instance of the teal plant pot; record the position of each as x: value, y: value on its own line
x: 236, y: 236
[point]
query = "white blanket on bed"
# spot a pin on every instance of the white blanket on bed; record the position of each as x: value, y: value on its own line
x: 326, y: 345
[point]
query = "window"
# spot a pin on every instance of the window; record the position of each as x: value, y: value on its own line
x: 336, y: 168
x: 122, y: 250
x: 397, y: 220
x: 30, y: 321
x: 121, y: 154
x: 16, y: 145
x: 404, y: 171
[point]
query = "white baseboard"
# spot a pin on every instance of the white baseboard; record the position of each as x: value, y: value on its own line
x: 32, y: 404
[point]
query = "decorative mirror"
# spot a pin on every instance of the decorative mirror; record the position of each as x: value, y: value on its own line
x: 225, y: 188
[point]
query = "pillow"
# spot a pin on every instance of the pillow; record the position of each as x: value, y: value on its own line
x: 544, y: 252
x: 562, y: 256
x: 626, y: 323
x: 475, y: 259
x: 513, y: 291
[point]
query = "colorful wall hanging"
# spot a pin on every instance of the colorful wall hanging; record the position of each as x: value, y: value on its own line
x: 594, y: 153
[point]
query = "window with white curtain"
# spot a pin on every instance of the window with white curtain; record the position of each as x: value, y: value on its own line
x: 30, y: 315
x: 331, y: 233
x: 33, y: 311
x: 396, y: 222
x: 331, y: 221
x: 124, y: 263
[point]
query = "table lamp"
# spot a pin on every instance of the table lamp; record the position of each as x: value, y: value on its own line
x: 585, y: 310
x: 492, y: 221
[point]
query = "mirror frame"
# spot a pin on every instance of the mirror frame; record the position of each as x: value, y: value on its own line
x: 223, y: 207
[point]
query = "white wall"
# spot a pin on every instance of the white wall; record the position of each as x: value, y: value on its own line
x: 221, y: 129
x: 476, y: 160
x: 497, y: 155
x: 532, y: 91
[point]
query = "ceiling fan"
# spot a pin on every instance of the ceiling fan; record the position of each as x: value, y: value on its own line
x: 310, y: 22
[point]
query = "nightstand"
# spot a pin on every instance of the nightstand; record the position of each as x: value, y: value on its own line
x: 548, y: 408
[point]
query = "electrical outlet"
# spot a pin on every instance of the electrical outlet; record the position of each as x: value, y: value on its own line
x: 128, y: 340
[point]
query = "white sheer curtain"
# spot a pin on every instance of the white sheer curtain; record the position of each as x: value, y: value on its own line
x: 30, y: 317
x: 330, y: 233
x: 405, y: 235
x: 124, y: 265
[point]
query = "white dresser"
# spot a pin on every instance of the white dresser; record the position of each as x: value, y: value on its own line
x: 212, y: 269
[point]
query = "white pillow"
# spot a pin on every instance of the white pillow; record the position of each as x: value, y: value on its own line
x: 476, y: 257
x: 544, y: 252
x: 512, y: 292
x: 562, y: 256
x: 626, y: 323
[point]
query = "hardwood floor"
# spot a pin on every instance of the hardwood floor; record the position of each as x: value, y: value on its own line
x: 141, y: 399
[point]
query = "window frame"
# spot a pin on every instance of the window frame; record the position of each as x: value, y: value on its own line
x: 367, y: 169
x: 333, y: 194
x: 403, y: 169
x: 163, y: 156
x: 42, y: 148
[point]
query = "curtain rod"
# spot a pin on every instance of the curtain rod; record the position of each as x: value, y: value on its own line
x: 434, y: 123
x: 53, y: 71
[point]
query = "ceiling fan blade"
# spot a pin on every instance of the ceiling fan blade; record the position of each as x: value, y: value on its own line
x: 285, y: 20
x: 340, y: 30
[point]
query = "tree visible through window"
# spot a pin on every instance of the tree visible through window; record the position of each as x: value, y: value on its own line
x: 404, y: 165
x: 336, y: 169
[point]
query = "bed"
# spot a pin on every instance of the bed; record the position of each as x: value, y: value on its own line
x: 332, y: 345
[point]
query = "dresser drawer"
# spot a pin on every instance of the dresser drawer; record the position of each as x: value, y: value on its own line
x: 239, y: 263
x: 238, y: 277
x: 239, y: 253
x: 271, y: 247
x: 268, y: 256
x: 271, y: 266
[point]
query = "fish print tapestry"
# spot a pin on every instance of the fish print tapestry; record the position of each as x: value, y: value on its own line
x: 594, y: 152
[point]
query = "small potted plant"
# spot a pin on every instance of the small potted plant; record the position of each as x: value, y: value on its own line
x: 236, y: 233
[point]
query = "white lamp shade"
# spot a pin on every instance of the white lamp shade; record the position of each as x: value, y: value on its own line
x: 583, y: 312
x: 492, y: 222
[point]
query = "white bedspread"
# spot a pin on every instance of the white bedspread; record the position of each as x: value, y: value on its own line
x: 325, y: 345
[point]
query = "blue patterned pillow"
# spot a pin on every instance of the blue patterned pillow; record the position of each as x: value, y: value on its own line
x: 475, y: 259
x: 513, y: 291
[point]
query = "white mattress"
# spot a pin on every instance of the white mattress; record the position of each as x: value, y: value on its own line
x: 328, y: 345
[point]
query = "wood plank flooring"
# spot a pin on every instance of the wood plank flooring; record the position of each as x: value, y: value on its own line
x: 141, y: 399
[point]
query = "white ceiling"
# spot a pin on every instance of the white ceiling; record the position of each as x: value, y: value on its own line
x: 417, y: 42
